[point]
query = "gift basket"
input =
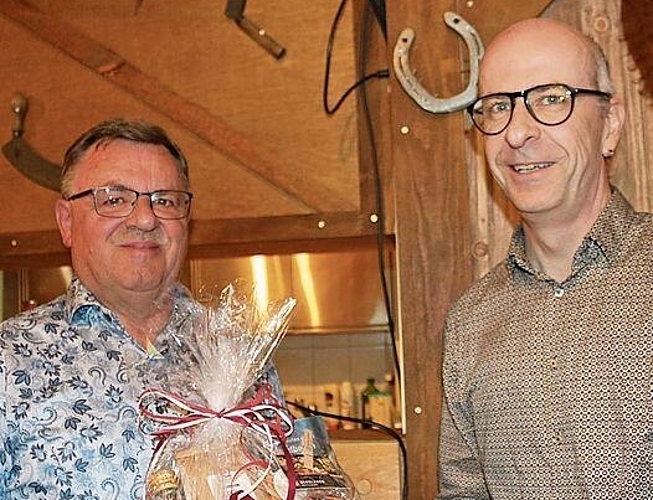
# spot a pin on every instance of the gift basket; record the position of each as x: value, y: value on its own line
x: 220, y: 426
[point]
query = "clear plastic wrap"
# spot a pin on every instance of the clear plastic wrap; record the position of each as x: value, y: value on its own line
x: 318, y: 474
x: 222, y: 431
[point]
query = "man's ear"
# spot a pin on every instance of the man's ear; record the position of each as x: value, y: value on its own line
x: 64, y: 216
x: 614, y: 122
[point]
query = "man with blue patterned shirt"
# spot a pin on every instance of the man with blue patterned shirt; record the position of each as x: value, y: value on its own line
x: 72, y: 370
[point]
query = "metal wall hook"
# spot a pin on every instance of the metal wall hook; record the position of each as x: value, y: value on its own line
x: 27, y: 161
x: 415, y: 90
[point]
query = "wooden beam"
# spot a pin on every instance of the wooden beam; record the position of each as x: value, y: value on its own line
x: 373, y: 108
x: 32, y: 249
x: 150, y: 91
x: 214, y: 238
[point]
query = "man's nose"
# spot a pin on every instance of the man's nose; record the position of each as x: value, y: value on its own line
x: 522, y: 126
x: 143, y: 214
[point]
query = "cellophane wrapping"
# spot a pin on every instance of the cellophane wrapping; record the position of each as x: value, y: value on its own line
x: 317, y: 473
x: 214, y: 427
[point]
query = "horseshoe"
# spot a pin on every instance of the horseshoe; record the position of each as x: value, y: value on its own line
x: 415, y: 90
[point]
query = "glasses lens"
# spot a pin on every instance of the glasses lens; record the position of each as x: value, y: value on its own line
x: 170, y: 204
x: 492, y: 113
x: 550, y: 104
x: 114, y: 201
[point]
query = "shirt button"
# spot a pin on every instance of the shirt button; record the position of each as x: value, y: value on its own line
x: 559, y: 292
x: 558, y: 437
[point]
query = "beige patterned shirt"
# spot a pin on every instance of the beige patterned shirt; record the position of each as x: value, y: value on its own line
x: 549, y: 386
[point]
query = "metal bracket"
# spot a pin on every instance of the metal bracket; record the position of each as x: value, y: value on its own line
x: 235, y: 10
x: 415, y: 90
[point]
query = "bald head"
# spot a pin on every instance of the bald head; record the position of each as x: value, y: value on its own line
x: 537, y: 51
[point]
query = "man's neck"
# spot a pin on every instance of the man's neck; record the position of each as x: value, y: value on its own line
x: 142, y: 315
x: 551, y: 252
x: 552, y: 240
x: 145, y: 330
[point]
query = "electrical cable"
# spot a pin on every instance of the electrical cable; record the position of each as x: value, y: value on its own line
x: 380, y: 211
x: 378, y: 188
x: 378, y: 7
x: 306, y: 411
x: 383, y: 73
x: 378, y: 191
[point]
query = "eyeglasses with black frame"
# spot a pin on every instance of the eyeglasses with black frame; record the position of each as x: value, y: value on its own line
x: 119, y: 201
x: 550, y: 104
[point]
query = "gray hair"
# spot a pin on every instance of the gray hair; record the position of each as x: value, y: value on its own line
x: 114, y: 129
x: 603, y: 79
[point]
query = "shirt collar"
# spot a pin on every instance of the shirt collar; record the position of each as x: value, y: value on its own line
x: 603, y: 243
x: 82, y: 307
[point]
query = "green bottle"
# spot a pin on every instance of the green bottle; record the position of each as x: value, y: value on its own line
x: 369, y: 392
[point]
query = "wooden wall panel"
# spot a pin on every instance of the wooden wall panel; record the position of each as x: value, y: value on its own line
x: 451, y: 222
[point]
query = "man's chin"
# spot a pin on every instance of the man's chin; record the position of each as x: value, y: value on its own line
x: 142, y: 281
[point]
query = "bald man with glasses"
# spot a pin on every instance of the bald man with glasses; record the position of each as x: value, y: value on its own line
x: 548, y: 359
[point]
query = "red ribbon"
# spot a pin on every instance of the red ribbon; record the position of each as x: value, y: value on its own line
x: 275, y: 422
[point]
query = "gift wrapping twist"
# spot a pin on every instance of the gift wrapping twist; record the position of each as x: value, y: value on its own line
x: 262, y: 413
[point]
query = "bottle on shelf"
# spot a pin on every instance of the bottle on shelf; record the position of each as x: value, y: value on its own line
x: 376, y: 404
x: 368, y: 392
x: 331, y: 405
x: 391, y: 388
x: 347, y: 404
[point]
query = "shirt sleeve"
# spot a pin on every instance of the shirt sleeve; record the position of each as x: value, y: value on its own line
x: 6, y: 459
x: 461, y: 475
x: 460, y: 471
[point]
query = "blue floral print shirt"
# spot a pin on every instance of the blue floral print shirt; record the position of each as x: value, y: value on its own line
x: 70, y: 380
